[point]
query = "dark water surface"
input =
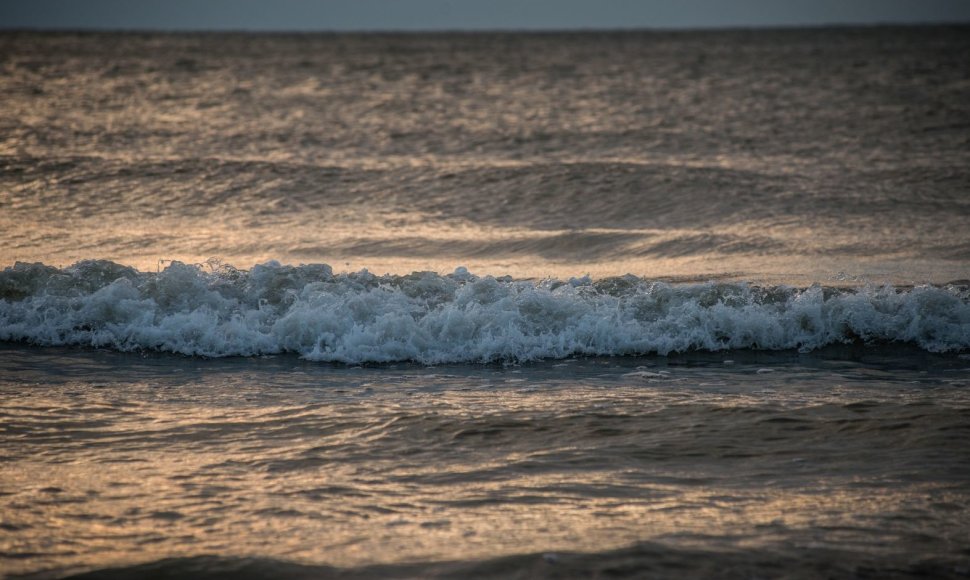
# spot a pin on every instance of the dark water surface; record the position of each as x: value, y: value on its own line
x: 762, y: 463
x: 640, y: 304
x: 794, y: 156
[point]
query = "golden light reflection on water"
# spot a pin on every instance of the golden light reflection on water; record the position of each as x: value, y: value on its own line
x: 437, y: 477
x: 398, y: 215
x: 531, y: 156
x: 402, y: 243
x: 106, y: 515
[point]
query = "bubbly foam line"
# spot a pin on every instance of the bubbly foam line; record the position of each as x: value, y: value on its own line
x: 459, y: 317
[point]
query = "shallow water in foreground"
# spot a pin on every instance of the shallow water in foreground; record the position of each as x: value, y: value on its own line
x: 736, y: 463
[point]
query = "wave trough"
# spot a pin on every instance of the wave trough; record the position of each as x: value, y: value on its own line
x: 219, y: 310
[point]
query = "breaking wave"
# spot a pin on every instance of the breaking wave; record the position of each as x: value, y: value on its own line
x: 216, y: 310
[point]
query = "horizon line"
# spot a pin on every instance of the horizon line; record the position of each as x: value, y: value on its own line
x: 484, y: 30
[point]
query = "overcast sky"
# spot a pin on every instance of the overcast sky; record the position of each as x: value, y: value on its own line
x: 466, y: 14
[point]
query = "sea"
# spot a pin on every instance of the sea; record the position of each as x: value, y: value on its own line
x: 629, y: 304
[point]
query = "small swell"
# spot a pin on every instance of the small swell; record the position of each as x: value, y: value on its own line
x: 431, y: 318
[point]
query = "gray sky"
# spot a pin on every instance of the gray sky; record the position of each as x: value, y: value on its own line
x: 466, y: 14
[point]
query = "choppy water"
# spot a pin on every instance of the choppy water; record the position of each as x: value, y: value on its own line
x: 803, y: 464
x: 783, y: 156
x: 699, y: 304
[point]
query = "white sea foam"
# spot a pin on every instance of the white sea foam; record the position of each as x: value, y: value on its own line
x: 458, y: 317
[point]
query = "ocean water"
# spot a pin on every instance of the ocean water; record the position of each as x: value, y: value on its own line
x: 638, y: 304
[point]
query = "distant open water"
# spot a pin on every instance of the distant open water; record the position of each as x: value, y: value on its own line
x: 790, y: 156
x: 486, y: 305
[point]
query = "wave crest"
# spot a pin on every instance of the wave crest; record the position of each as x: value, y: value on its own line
x: 459, y: 317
